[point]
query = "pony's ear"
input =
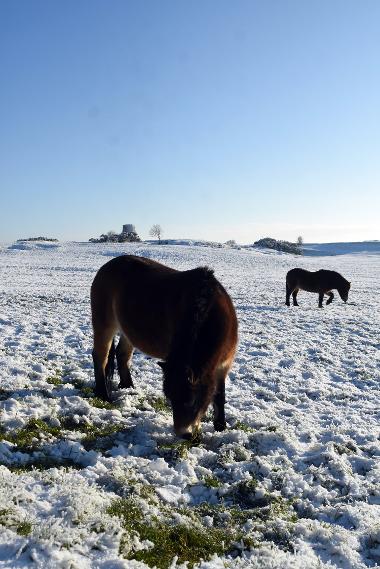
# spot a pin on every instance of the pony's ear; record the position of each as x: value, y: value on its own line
x: 162, y: 365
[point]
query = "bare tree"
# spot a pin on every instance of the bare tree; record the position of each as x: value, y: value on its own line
x: 156, y: 231
x: 300, y: 244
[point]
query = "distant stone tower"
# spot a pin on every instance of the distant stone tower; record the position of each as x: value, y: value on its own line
x: 129, y: 228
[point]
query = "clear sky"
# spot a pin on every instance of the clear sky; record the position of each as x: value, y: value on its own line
x: 217, y: 119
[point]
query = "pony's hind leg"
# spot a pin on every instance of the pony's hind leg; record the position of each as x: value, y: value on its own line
x: 124, y: 353
x: 219, y: 401
x: 294, y: 295
x: 103, y: 356
x: 330, y: 295
x: 320, y: 301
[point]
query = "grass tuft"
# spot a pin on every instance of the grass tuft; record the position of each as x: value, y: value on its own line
x: 31, y: 434
x: 44, y: 463
x: 9, y: 520
x: 100, y: 403
x: 159, y: 404
x: 24, y: 528
x: 188, y: 541
x: 179, y: 449
x: 55, y: 378
x: 240, y: 426
x: 93, y: 433
x: 211, y: 482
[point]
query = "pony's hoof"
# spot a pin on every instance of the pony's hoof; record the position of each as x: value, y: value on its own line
x: 102, y: 395
x: 187, y: 436
x: 220, y: 426
x: 123, y: 386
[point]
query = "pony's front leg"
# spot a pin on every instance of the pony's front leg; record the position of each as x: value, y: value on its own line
x: 320, y: 303
x: 218, y: 404
x: 330, y: 297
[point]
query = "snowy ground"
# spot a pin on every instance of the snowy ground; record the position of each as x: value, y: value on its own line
x: 293, y: 483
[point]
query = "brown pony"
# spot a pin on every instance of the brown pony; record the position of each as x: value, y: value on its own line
x: 185, y: 318
x: 321, y: 282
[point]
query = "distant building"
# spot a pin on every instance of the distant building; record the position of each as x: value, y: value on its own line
x: 128, y: 234
x: 129, y: 228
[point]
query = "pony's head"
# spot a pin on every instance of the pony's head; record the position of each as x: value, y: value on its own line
x: 187, y: 395
x: 344, y: 289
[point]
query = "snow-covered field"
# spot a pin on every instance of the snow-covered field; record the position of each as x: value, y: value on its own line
x: 294, y: 482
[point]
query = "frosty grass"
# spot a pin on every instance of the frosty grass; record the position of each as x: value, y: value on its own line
x: 294, y: 482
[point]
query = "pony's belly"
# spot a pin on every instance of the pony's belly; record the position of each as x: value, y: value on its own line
x: 156, y: 344
x: 148, y: 325
x: 309, y: 288
x: 154, y: 350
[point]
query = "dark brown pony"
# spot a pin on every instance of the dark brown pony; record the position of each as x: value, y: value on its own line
x: 185, y: 318
x: 322, y: 282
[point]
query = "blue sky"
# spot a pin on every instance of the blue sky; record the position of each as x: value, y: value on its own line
x: 216, y: 119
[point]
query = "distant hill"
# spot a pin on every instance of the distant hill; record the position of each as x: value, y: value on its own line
x: 323, y: 249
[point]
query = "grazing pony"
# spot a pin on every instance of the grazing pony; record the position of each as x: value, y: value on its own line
x: 185, y: 318
x: 320, y: 281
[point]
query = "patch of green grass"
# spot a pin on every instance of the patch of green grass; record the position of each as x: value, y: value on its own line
x: 189, y: 542
x: 77, y: 383
x: 9, y: 520
x: 55, y: 378
x: 239, y: 425
x: 68, y: 423
x: 211, y: 482
x: 31, y: 434
x: 243, y: 493
x: 144, y: 491
x: 189, y: 539
x: 3, y: 515
x: 180, y: 449
x: 93, y: 432
x: 45, y: 463
x: 24, y: 528
x: 283, y: 509
x: 271, y: 509
x: 159, y: 404
x: 345, y: 448
x: 100, y: 403
x: 232, y: 453
x: 87, y: 392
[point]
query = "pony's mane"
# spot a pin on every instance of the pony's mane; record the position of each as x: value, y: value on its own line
x: 341, y: 278
x: 203, y: 286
